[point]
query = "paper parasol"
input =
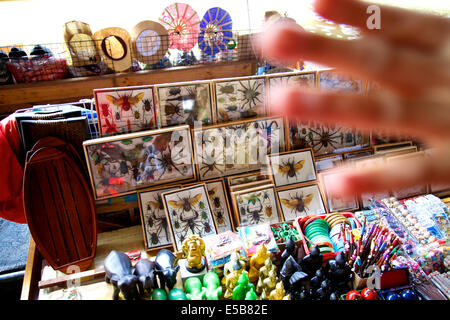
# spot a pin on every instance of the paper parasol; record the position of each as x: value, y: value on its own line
x: 216, y: 31
x: 182, y: 24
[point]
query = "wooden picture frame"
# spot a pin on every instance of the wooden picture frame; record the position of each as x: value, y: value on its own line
x: 246, y: 178
x: 254, y: 207
x: 249, y: 139
x: 388, y: 146
x: 123, y: 164
x: 122, y: 110
x: 411, y: 191
x: 250, y: 185
x: 153, y: 218
x: 179, y: 100
x: 240, y: 98
x: 293, y: 204
x: 284, y: 171
x: 328, y: 162
x: 182, y: 212
x: 218, y: 196
x: 333, y: 204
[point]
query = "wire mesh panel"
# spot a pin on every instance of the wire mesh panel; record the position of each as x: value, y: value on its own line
x: 148, y: 50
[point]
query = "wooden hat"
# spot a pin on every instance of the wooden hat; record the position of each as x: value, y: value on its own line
x: 150, y: 41
x: 114, y: 46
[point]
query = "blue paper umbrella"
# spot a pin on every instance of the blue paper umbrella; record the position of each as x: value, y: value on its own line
x: 215, y: 31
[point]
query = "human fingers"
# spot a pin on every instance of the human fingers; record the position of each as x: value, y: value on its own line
x: 370, y: 58
x: 427, y: 119
x: 400, y: 26
x: 408, y: 171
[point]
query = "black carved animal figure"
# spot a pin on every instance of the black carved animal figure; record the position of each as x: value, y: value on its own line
x: 166, y: 268
x: 146, y: 274
x: 119, y: 273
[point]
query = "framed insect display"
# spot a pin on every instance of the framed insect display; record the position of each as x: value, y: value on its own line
x: 123, y: 164
x: 237, y: 147
x: 301, y: 200
x: 240, y: 98
x: 389, y: 146
x: 441, y: 188
x: 247, y: 178
x: 301, y: 79
x: 219, y: 203
x: 125, y: 109
x: 184, y: 103
x: 324, y: 139
x: 330, y: 80
x: 328, y: 162
x: 189, y: 212
x: 406, y: 192
x: 336, y: 203
x: 257, y: 205
x: 292, y: 167
x: 153, y: 218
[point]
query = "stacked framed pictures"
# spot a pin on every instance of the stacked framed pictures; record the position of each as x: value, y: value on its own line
x: 336, y: 203
x: 122, y: 164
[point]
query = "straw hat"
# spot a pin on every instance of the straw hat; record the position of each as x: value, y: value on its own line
x: 114, y: 46
x: 150, y: 41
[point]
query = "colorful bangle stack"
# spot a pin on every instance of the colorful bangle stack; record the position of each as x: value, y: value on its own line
x: 317, y: 232
x: 283, y: 231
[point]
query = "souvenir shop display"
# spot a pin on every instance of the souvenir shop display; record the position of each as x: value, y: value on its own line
x: 238, y: 208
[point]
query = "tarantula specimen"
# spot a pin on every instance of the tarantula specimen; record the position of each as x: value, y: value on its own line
x: 165, y: 162
x: 210, y: 163
x: 250, y: 93
x: 325, y: 138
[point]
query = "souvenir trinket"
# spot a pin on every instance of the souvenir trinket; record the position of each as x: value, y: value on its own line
x: 194, y: 253
x: 257, y: 261
x: 212, y: 287
x: 119, y: 272
x: 166, y: 268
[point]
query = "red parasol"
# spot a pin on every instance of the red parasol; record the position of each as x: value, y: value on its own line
x: 182, y: 24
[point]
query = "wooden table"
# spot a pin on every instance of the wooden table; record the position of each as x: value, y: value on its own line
x: 92, y: 285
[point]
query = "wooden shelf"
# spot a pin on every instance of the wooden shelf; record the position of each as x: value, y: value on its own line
x: 13, y: 97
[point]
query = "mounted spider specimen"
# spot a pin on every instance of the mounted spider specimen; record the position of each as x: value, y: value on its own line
x: 289, y: 168
x: 250, y: 93
x: 209, y: 163
x: 325, y: 137
x: 298, y: 203
x: 164, y: 162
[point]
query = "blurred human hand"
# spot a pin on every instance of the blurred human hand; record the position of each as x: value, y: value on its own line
x: 409, y: 60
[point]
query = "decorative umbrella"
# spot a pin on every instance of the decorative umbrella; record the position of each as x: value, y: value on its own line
x: 182, y: 24
x: 216, y: 31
